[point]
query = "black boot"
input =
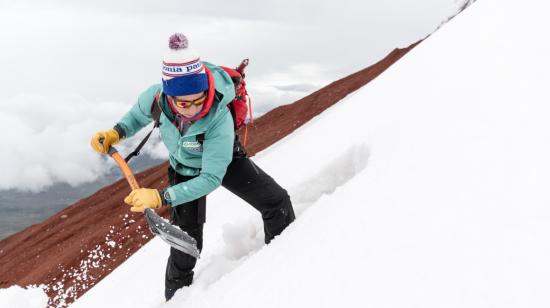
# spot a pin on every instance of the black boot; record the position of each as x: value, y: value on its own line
x: 169, y: 293
x: 275, y: 221
x: 173, y: 284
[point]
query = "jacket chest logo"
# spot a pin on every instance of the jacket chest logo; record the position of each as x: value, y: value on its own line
x: 192, y: 146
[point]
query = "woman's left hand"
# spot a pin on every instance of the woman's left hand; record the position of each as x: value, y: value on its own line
x: 143, y: 198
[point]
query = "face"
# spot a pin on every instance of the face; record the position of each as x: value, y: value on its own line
x: 193, y: 109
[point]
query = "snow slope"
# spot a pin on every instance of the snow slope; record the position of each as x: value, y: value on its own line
x: 426, y: 188
x: 30, y: 297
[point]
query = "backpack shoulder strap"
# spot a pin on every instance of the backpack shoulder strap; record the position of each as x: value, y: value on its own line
x: 231, y: 106
x: 156, y: 110
x: 200, y: 138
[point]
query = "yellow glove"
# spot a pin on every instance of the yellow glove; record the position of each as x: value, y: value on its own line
x: 143, y: 198
x: 107, y: 138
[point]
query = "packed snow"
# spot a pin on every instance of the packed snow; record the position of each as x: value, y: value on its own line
x: 30, y: 297
x: 426, y: 188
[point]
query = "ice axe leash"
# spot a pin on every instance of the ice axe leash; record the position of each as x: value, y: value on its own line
x: 242, y: 66
x: 173, y: 236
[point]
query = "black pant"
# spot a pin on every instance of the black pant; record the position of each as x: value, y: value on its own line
x: 250, y: 183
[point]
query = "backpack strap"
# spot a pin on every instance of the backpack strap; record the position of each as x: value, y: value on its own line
x: 156, y: 110
x: 233, y: 114
x: 200, y: 138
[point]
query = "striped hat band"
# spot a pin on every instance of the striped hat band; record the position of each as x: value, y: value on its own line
x: 173, y: 70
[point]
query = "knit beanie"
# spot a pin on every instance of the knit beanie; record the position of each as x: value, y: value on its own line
x: 182, y: 70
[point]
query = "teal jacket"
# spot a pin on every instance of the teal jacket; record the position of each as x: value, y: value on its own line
x: 187, y: 156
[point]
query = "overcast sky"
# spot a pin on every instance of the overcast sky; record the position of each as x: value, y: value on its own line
x: 69, y: 68
x: 110, y: 50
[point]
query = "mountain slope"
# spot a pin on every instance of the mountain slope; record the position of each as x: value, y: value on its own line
x: 74, y: 249
x: 427, y: 188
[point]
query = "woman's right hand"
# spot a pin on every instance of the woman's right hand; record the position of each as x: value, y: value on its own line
x: 102, y: 141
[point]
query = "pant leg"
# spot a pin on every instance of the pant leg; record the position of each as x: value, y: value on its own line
x: 190, y: 218
x: 246, y: 180
x: 179, y: 268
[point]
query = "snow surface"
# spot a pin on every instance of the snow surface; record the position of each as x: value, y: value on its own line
x: 426, y: 188
x: 18, y: 297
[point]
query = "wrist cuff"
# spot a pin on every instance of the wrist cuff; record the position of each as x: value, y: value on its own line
x: 120, y: 131
x: 165, y: 196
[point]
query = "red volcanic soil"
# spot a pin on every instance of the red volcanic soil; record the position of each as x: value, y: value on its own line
x: 74, y: 249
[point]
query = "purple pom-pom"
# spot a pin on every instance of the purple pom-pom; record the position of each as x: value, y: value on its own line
x: 178, y: 41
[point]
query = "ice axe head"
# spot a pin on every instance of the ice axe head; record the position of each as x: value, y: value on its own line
x: 173, y: 236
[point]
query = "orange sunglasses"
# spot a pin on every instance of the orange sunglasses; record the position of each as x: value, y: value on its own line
x: 188, y: 103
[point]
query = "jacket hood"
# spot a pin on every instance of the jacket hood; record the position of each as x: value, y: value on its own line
x: 221, y: 92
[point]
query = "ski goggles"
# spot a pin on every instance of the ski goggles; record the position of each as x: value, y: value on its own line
x: 188, y: 103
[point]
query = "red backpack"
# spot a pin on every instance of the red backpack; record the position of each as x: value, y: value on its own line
x: 242, y: 104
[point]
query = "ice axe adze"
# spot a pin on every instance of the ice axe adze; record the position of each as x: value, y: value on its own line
x: 158, y: 226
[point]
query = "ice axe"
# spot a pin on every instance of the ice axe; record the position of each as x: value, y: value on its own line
x: 172, y: 235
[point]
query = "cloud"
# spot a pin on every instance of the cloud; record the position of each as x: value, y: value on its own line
x: 299, y: 87
x: 75, y: 67
x: 46, y: 140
